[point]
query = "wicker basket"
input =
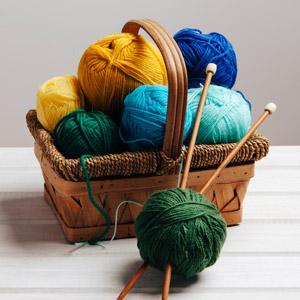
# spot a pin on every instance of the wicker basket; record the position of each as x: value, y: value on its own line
x: 136, y: 175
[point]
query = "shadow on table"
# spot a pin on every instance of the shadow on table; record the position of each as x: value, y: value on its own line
x: 29, y: 228
x: 29, y: 220
x: 152, y: 280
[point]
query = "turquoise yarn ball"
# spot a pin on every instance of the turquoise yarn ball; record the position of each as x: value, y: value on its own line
x: 181, y: 227
x: 86, y: 133
x: 144, y: 118
x: 226, y: 117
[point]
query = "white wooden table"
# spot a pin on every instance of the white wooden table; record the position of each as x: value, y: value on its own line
x: 260, y: 259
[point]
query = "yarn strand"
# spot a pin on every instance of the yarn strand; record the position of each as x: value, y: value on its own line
x: 93, y: 202
x: 117, y: 213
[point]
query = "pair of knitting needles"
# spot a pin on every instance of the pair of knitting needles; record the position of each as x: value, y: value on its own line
x: 269, y: 109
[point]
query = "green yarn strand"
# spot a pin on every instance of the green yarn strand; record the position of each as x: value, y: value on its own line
x: 93, y: 202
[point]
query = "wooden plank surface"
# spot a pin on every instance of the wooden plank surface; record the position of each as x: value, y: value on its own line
x: 40, y: 239
x: 260, y: 259
x: 207, y: 294
x: 112, y: 271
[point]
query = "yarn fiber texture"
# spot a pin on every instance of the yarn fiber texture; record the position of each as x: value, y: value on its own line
x: 56, y: 98
x: 114, y: 66
x: 144, y: 118
x: 181, y: 227
x: 200, y: 49
x: 86, y: 133
x: 226, y: 116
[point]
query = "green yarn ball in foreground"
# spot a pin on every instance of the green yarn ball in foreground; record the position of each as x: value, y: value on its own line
x: 181, y: 227
x: 86, y: 133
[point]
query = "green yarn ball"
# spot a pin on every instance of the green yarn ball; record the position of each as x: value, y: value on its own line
x: 86, y: 133
x: 181, y: 227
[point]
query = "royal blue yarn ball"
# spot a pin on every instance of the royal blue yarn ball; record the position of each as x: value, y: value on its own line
x: 144, y: 118
x: 200, y: 49
x: 226, y: 116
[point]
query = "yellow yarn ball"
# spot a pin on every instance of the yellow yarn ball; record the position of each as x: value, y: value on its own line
x: 56, y: 98
x: 114, y: 66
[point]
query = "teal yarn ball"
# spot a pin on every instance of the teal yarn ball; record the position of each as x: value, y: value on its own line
x: 180, y: 227
x: 86, y: 133
x: 144, y: 118
x: 226, y: 116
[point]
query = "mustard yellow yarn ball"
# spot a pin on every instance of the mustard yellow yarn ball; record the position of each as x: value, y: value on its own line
x: 56, y: 98
x: 114, y: 66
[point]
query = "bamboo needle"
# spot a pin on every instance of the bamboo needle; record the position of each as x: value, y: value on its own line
x: 210, y: 71
x: 133, y: 280
x: 269, y: 109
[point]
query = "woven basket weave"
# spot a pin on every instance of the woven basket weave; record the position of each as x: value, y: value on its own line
x: 136, y: 175
x: 140, y: 163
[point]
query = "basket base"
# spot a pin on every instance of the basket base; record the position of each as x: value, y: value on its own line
x: 80, y: 221
x: 82, y: 234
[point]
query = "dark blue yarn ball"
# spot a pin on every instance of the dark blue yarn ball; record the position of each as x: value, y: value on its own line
x: 200, y: 49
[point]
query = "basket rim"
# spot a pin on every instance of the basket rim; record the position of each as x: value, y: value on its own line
x: 150, y: 162
x: 233, y: 173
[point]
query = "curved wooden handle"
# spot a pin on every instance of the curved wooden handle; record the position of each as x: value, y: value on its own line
x: 177, y: 82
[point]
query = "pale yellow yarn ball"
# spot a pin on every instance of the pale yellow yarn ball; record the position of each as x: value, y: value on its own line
x: 113, y: 67
x: 56, y: 98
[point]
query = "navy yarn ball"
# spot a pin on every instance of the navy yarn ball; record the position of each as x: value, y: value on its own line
x: 200, y: 49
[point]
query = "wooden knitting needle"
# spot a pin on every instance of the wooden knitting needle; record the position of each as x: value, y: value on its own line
x: 133, y: 280
x: 210, y: 71
x: 269, y: 109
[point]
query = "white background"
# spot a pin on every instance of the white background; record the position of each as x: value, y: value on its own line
x: 40, y: 39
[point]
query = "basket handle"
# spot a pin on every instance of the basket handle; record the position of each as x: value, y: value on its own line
x: 177, y: 82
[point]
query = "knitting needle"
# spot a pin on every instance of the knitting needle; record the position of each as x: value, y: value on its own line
x: 269, y: 109
x: 210, y: 71
x: 133, y: 280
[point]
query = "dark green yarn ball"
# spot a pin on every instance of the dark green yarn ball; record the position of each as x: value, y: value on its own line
x: 86, y: 133
x: 181, y: 227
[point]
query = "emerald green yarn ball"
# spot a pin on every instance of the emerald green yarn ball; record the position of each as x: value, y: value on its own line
x: 181, y: 227
x: 86, y: 133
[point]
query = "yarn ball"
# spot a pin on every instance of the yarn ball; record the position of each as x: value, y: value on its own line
x: 226, y: 116
x: 181, y: 227
x: 199, y: 49
x: 144, y: 118
x: 56, y: 98
x: 114, y: 66
x: 86, y: 133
